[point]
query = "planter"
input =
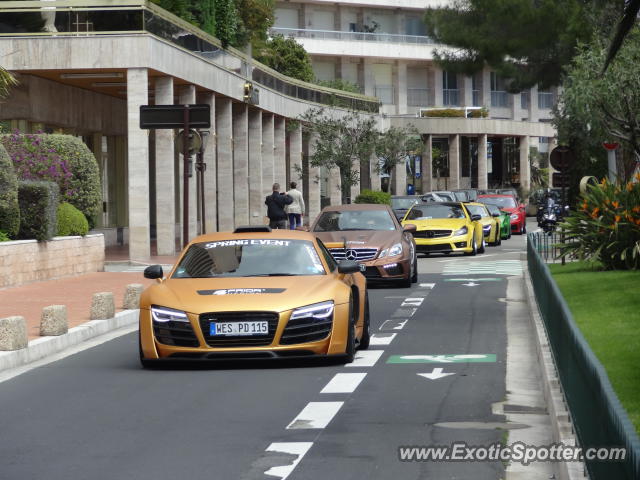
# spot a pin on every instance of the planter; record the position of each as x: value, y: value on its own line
x: 26, y: 261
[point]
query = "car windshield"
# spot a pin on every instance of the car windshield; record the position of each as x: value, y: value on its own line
x: 428, y: 212
x: 493, y: 210
x: 255, y: 257
x: 503, y: 202
x: 477, y: 210
x: 405, y: 203
x: 333, y: 221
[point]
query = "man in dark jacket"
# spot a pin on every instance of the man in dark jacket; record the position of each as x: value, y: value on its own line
x: 275, y: 207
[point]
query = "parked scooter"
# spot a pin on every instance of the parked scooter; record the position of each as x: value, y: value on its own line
x: 550, y: 213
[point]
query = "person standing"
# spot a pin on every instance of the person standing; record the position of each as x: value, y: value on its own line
x: 296, y: 208
x: 276, y: 203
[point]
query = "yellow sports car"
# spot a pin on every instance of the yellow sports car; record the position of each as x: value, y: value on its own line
x: 254, y: 293
x: 490, y: 225
x: 445, y: 227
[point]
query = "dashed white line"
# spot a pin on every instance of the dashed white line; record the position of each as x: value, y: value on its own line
x: 299, y: 449
x: 344, y: 383
x: 412, y: 302
x: 393, y: 324
x: 382, y: 338
x: 366, y: 358
x: 315, y: 415
x: 427, y: 285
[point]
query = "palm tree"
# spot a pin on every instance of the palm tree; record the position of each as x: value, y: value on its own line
x: 6, y: 82
x: 626, y: 22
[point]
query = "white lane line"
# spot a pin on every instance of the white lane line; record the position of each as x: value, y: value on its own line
x: 427, y: 285
x: 412, y: 302
x: 382, y: 338
x: 315, y: 415
x: 299, y: 449
x: 466, y: 259
x: 393, y: 324
x: 344, y: 383
x: 400, y: 325
x: 366, y: 358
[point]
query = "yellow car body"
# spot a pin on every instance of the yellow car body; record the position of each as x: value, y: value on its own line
x: 235, y: 302
x: 444, y: 227
x: 490, y: 224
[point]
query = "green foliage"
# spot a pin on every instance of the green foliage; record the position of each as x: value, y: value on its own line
x: 393, y: 146
x: 9, y: 208
x: 372, y: 196
x: 256, y: 17
x: 38, y: 209
x: 482, y: 112
x: 286, y: 56
x: 606, y: 226
x: 6, y: 82
x: 442, y: 113
x: 226, y: 21
x: 71, y: 221
x: 525, y: 41
x: 4, y: 237
x: 339, y: 84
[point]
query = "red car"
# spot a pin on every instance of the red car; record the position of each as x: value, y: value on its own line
x: 508, y: 203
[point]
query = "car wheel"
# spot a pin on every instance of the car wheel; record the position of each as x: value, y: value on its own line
x: 366, y: 329
x: 414, y: 277
x: 350, y: 350
x: 524, y: 228
x: 474, y: 248
x: 145, y: 362
x: 482, y: 246
x: 498, y: 238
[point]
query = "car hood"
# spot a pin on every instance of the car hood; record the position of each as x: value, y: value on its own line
x: 360, y: 238
x: 444, y: 223
x: 275, y: 294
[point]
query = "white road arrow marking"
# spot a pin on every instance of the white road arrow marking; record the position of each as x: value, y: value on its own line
x: 436, y: 374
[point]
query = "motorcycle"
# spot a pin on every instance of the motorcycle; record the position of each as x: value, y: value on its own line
x: 550, y: 213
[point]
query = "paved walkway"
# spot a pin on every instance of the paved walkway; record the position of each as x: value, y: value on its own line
x: 76, y: 292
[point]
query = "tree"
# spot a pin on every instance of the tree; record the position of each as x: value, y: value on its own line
x: 595, y: 107
x: 226, y: 22
x: 6, y: 82
x: 256, y: 18
x: 628, y: 20
x: 393, y: 146
x: 286, y: 56
x: 525, y: 41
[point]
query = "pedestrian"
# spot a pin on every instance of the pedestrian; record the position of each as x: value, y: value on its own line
x: 275, y: 207
x: 296, y: 208
x: 411, y: 190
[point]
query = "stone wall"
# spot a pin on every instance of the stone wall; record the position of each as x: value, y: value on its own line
x: 26, y: 261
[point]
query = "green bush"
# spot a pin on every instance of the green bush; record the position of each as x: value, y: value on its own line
x: 9, y: 208
x: 38, y: 209
x: 371, y: 196
x: 443, y: 112
x: 606, y: 226
x: 4, y: 237
x: 71, y: 221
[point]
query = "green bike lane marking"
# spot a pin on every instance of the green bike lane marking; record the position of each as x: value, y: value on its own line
x: 448, y: 358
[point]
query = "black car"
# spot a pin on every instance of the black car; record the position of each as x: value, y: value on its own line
x: 402, y: 203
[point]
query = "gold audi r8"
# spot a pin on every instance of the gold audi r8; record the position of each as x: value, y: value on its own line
x: 490, y: 225
x: 254, y: 293
x: 445, y: 227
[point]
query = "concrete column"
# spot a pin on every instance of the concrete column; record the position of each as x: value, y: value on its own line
x: 210, y: 174
x: 466, y: 93
x: 454, y: 162
x: 313, y: 205
x: 437, y: 86
x: 138, y: 165
x: 96, y: 143
x: 375, y: 175
x: 534, y: 111
x: 486, y: 89
x: 355, y: 188
x: 514, y: 103
x: 525, y: 169
x: 256, y: 199
x: 427, y: 164
x: 400, y: 178
x: 165, y: 175
x: 335, y: 187
x: 483, y: 179
x: 224, y: 153
x: 401, y: 87
x: 295, y: 153
x: 241, y: 164
x: 267, y: 158
x: 188, y: 96
x: 369, y: 80
x: 280, y: 152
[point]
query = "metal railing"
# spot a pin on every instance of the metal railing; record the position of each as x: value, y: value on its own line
x: 385, y: 93
x: 418, y: 97
x: 81, y: 18
x: 450, y: 97
x: 475, y: 98
x: 353, y: 36
x: 546, y: 100
x: 499, y: 99
x: 597, y: 415
x: 525, y: 100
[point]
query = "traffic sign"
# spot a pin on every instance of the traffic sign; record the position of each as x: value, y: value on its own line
x: 560, y: 180
x: 172, y: 116
x: 561, y: 158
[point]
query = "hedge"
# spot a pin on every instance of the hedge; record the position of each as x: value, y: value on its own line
x: 38, y: 209
x: 371, y: 196
x: 9, y: 208
x: 71, y: 221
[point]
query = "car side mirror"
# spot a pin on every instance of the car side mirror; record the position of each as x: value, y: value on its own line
x: 348, y: 266
x: 409, y: 227
x: 476, y: 218
x: 153, y: 272
x: 303, y: 228
x: 495, y: 214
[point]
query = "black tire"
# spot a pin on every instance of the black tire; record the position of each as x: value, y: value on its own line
x: 406, y: 282
x: 498, y: 241
x: 524, y: 228
x: 414, y: 277
x: 447, y: 253
x: 145, y: 362
x: 350, y: 350
x: 483, y: 246
x: 366, y: 329
x: 474, y: 249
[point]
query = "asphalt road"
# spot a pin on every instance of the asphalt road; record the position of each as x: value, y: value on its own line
x: 97, y: 415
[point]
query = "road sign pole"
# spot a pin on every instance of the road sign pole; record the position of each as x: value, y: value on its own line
x: 185, y: 179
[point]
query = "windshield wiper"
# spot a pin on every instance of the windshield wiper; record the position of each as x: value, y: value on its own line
x: 272, y: 275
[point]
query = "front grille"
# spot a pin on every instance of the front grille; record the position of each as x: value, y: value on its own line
x: 357, y: 254
x: 238, y: 340
x: 431, y: 233
x: 302, y: 330
x: 445, y: 247
x: 179, y: 334
x: 372, y: 272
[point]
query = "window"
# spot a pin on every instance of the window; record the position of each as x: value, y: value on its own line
x: 499, y: 96
x: 449, y: 89
x: 331, y: 262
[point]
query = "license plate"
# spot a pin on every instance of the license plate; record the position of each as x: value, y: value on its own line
x: 239, y: 328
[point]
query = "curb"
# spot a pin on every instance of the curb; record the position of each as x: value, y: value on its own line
x: 46, y: 346
x: 561, y: 426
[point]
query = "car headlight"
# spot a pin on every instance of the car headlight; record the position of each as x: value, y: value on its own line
x: 461, y: 231
x: 391, y: 252
x: 486, y: 228
x: 514, y: 216
x: 319, y: 311
x: 164, y: 314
